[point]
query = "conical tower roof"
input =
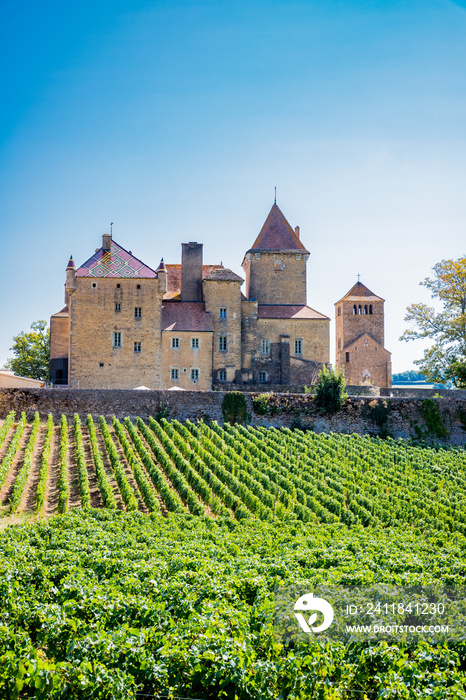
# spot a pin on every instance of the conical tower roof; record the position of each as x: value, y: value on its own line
x: 71, y: 265
x: 360, y: 291
x: 277, y: 235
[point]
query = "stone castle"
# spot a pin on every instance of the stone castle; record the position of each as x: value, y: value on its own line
x: 189, y: 326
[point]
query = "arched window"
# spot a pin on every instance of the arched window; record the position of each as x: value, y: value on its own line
x: 365, y: 309
x: 359, y: 309
x: 370, y: 309
x: 355, y: 311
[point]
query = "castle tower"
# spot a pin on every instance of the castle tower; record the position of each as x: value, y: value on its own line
x: 360, y: 338
x: 275, y: 265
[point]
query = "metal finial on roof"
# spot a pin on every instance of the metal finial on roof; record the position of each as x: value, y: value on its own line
x: 358, y: 276
x: 275, y: 199
x: 111, y: 227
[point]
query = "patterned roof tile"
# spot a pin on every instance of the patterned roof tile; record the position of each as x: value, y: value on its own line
x: 116, y: 263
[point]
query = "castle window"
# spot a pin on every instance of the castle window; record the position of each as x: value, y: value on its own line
x: 347, y: 357
x: 194, y: 374
x: 117, y: 339
x: 118, y: 286
x: 298, y: 346
x: 223, y: 343
x: 117, y: 306
x: 298, y: 256
x: 137, y: 312
x: 94, y: 285
x: 355, y: 310
x: 262, y: 376
x: 258, y: 256
x: 223, y: 312
x: 222, y: 375
x: 175, y: 342
x: 101, y: 364
x: 365, y: 309
x: 359, y: 309
x: 174, y: 373
x: 370, y: 309
x: 138, y: 286
x: 137, y: 347
x: 194, y: 343
x: 265, y: 346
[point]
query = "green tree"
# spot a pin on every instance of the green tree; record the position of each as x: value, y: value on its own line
x: 32, y: 351
x: 446, y: 358
x: 330, y: 390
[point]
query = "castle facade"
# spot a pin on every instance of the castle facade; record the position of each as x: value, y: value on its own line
x: 189, y: 326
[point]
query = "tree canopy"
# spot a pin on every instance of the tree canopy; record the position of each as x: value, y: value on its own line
x: 32, y: 351
x: 446, y: 358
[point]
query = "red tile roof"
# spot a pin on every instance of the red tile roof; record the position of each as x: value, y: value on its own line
x: 359, y: 291
x: 117, y: 262
x: 277, y: 235
x: 288, y: 311
x: 185, y: 316
x: 174, y: 278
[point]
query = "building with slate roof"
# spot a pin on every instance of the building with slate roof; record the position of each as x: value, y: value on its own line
x: 190, y: 326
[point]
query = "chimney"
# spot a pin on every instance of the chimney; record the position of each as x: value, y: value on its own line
x: 106, y: 240
x: 162, y: 277
x: 191, y: 271
x: 297, y: 231
x: 70, y: 284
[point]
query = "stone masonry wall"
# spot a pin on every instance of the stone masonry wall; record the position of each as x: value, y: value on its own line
x: 291, y: 410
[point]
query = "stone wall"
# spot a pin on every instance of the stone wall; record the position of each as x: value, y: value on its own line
x: 276, y: 278
x: 402, y: 416
x: 101, y: 307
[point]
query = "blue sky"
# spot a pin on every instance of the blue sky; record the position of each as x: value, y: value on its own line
x: 175, y: 120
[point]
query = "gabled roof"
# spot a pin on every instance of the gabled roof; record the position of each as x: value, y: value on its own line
x: 277, y: 235
x: 364, y: 335
x: 360, y: 291
x: 288, y: 311
x: 186, y: 316
x: 223, y: 275
x: 116, y: 262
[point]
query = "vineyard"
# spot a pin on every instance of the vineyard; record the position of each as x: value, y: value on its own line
x: 155, y: 577
x: 232, y: 471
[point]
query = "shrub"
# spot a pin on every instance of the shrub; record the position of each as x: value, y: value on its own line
x: 234, y: 407
x: 330, y: 390
x: 260, y: 403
